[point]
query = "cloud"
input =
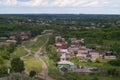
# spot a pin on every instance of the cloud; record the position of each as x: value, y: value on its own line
x: 21, y: 2
x: 97, y: 3
x: 61, y: 3
x: 72, y: 3
x: 8, y: 2
x: 30, y: 3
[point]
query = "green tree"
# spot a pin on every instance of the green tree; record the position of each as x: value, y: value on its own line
x: 1, y: 60
x: 17, y: 65
x: 53, y: 54
x: 3, y: 71
x: 5, y: 54
x: 11, y: 48
x: 19, y: 40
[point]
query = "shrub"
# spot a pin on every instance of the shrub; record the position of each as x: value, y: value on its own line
x: 114, y: 62
x: 32, y: 73
x: 97, y: 60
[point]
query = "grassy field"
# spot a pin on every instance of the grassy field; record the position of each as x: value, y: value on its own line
x: 103, y: 64
x: 32, y: 63
x: 18, y: 52
x: 34, y: 46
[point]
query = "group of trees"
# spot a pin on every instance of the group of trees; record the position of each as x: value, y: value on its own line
x: 17, y: 66
x: 5, y: 52
x: 52, y: 53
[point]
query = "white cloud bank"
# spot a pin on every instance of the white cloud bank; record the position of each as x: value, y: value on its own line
x: 61, y: 3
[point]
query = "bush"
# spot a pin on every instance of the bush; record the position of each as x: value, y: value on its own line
x: 3, y: 71
x: 95, y: 78
x: 1, y: 60
x: 97, y: 60
x: 113, y: 72
x: 17, y: 65
x: 32, y: 73
x: 114, y: 62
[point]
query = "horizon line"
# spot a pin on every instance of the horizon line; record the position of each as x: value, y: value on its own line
x: 58, y: 14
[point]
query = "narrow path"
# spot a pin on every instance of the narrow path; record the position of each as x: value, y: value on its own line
x: 44, y: 73
x: 29, y: 52
x: 36, y: 38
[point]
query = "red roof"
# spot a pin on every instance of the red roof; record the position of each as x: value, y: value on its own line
x: 62, y: 47
x: 101, y: 52
x: 63, y: 43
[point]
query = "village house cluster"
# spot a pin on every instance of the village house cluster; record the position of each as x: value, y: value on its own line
x: 75, y: 50
x: 13, y: 38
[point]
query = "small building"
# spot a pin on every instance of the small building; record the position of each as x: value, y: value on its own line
x: 3, y: 38
x: 65, y: 56
x: 94, y: 56
x: 66, y: 64
x: 109, y: 56
x: 11, y: 41
x: 12, y: 37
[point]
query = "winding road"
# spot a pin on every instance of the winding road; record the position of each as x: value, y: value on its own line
x: 44, y: 74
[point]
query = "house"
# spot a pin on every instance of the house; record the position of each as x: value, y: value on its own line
x: 66, y: 64
x: 58, y: 44
x: 12, y: 37
x: 94, y: 56
x: 61, y: 47
x: 57, y: 38
x: 74, y: 41
x: 109, y: 55
x: 73, y: 48
x: 3, y: 38
x: 11, y: 41
x: 82, y: 57
x: 83, y: 54
x: 65, y: 56
x: 25, y: 35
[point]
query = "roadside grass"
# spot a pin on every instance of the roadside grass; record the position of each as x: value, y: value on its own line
x: 73, y: 76
x: 34, y: 46
x: 32, y: 63
x: 103, y: 64
x: 19, y: 52
x: 53, y: 71
x: 6, y: 63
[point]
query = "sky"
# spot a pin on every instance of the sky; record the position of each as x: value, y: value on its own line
x: 59, y: 6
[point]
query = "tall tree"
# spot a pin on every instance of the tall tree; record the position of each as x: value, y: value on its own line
x: 17, y: 65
